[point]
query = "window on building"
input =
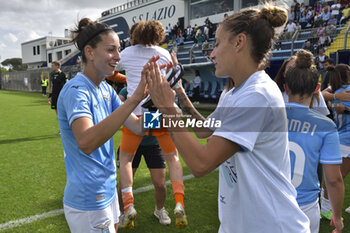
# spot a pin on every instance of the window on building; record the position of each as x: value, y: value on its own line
x: 200, y: 8
x: 66, y: 52
x: 50, y: 57
x: 59, y: 55
x: 38, y: 49
x: 34, y: 51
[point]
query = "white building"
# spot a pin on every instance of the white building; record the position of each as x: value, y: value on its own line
x: 42, y: 51
x: 60, y: 52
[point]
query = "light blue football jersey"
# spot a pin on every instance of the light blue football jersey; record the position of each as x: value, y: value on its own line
x: 313, y: 139
x: 342, y: 120
x: 91, y: 179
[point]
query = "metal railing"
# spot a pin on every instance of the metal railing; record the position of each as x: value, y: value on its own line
x: 286, y: 46
x: 294, y: 37
x: 124, y: 7
x: 299, y: 37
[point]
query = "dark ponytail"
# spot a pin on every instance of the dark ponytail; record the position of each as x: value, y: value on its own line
x: 338, y: 76
x: 88, y: 32
x: 302, y: 78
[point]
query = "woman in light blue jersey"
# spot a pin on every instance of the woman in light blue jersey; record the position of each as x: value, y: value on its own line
x: 89, y: 114
x: 313, y: 139
x: 339, y: 82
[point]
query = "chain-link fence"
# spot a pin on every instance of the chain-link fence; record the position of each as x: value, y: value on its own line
x: 22, y: 80
x: 30, y: 80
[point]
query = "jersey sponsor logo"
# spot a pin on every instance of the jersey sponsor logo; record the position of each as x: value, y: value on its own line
x: 222, y: 199
x: 230, y: 173
x: 104, y: 227
x: 107, y: 97
x: 100, y: 197
x: 151, y: 120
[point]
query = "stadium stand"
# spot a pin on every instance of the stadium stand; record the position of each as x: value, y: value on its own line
x: 191, y: 54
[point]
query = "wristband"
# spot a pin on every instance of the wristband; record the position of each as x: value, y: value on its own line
x: 334, y: 96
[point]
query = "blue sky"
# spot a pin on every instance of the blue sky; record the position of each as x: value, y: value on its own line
x: 25, y: 20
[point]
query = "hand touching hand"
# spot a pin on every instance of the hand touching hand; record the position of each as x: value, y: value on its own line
x: 161, y: 93
x: 141, y: 90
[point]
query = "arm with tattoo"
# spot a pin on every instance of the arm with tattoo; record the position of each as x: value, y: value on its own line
x: 188, y: 109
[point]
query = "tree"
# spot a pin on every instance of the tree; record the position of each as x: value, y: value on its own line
x: 3, y: 70
x: 14, y: 64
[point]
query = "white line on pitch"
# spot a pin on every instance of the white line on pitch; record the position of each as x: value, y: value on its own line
x: 34, y: 218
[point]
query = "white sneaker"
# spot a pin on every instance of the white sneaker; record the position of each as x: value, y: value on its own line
x: 347, y: 210
x: 181, y: 219
x: 162, y: 215
x: 128, y: 218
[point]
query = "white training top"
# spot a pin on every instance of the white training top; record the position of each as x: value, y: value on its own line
x: 319, y: 107
x: 255, y: 190
x: 291, y: 27
x: 133, y: 58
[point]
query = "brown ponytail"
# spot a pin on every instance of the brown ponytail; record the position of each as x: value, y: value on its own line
x: 88, y: 32
x: 259, y: 26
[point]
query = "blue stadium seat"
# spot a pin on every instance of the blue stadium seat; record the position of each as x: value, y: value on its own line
x: 214, y: 89
x: 183, y: 54
x: 333, y: 56
x: 187, y: 46
x: 207, y: 88
x: 285, y: 45
x: 189, y: 42
x: 278, y: 58
x: 184, y: 60
x: 204, y: 89
x: 305, y: 34
x: 221, y: 84
x: 201, y: 59
x: 189, y: 90
x: 298, y: 44
x: 281, y: 53
x: 197, y: 52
